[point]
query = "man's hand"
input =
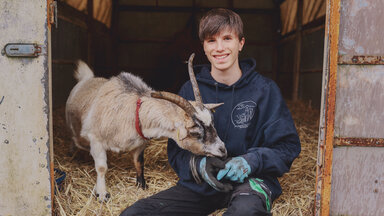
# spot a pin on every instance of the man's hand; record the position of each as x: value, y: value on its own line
x: 209, y: 166
x: 236, y: 169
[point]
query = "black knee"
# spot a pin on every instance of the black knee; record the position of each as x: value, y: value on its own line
x: 131, y: 210
x: 138, y: 208
x: 247, y: 205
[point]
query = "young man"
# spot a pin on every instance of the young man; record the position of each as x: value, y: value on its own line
x: 254, y: 123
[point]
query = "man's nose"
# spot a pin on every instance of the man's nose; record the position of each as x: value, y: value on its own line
x: 220, y: 46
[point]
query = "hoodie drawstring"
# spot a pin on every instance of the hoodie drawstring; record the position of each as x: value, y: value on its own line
x: 217, y: 91
x: 229, y: 118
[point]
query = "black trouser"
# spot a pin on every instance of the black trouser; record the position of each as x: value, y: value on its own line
x: 179, y: 200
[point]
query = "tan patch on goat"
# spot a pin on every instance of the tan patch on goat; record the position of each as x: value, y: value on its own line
x: 195, y: 147
x: 101, y: 170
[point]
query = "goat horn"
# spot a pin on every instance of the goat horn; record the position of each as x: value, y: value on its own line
x: 196, y: 91
x: 176, y: 99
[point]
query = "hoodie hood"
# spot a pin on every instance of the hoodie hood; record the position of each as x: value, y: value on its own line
x: 247, y: 67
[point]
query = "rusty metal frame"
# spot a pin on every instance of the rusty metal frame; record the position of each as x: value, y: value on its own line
x: 362, y: 142
x: 360, y: 60
x: 51, y: 19
x: 326, y: 138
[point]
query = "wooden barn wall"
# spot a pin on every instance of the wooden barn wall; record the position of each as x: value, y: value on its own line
x: 70, y: 41
x: 68, y: 44
x: 311, y: 66
x: 156, y: 37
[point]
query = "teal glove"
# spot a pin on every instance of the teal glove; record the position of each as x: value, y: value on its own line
x: 209, y: 166
x: 236, y: 169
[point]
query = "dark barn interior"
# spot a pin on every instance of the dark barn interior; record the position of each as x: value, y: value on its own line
x: 153, y: 39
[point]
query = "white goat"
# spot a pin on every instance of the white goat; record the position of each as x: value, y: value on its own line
x: 103, y: 113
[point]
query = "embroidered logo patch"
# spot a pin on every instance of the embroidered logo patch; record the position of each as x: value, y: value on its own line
x: 243, y: 113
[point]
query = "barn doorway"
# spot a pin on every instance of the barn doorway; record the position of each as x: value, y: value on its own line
x: 153, y: 39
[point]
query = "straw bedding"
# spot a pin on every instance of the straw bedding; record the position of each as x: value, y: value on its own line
x: 74, y: 194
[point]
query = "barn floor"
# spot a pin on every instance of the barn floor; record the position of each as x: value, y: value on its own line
x: 74, y: 195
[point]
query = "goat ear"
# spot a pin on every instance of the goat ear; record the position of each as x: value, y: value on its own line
x: 182, y: 133
x: 209, y: 106
x: 212, y: 106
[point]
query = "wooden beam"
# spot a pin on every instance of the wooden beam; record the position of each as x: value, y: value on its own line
x: 114, y: 34
x: 90, y: 32
x: 296, y: 65
x: 135, y: 8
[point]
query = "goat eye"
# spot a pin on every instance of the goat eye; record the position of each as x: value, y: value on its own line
x: 195, y: 131
x: 195, y: 134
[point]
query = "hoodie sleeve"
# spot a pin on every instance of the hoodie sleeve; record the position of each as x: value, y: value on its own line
x: 274, y: 139
x: 179, y: 158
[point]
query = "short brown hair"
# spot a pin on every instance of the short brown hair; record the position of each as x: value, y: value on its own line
x: 216, y: 20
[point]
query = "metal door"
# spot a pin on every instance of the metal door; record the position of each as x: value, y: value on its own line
x: 350, y: 171
x: 25, y: 110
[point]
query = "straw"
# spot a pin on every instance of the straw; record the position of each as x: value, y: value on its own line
x: 76, y: 194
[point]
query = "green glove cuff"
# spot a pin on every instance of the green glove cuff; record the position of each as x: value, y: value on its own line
x: 257, y: 186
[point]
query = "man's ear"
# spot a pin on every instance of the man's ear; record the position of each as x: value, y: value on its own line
x: 212, y: 106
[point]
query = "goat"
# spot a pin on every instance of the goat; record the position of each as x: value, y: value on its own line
x: 102, y: 115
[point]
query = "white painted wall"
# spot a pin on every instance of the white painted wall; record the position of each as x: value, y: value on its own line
x: 24, y: 112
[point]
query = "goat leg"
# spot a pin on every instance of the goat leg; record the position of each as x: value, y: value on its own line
x: 138, y: 160
x: 100, y: 156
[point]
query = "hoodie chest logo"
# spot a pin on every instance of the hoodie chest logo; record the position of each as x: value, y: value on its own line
x: 243, y: 113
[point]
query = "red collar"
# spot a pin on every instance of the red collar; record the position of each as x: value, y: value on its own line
x: 137, y: 122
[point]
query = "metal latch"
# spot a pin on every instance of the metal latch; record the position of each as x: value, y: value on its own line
x: 22, y: 50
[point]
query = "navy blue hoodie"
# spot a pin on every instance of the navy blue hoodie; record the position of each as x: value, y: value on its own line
x: 254, y: 123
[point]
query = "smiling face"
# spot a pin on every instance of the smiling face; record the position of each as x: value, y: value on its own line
x: 222, y: 50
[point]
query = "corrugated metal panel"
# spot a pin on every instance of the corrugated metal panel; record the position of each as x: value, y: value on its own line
x: 25, y: 187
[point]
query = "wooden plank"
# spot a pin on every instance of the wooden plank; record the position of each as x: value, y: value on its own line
x: 357, y: 181
x: 183, y: 9
x: 292, y: 15
x: 90, y: 31
x: 296, y: 65
x: 308, y: 10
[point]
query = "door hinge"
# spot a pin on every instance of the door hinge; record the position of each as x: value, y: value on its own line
x: 23, y: 50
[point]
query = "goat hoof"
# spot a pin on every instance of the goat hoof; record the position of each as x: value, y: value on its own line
x: 142, y: 185
x: 104, y: 198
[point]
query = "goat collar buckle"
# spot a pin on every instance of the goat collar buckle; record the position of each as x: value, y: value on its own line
x: 137, y: 121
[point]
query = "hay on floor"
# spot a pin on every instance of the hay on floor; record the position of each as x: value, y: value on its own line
x: 74, y: 195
